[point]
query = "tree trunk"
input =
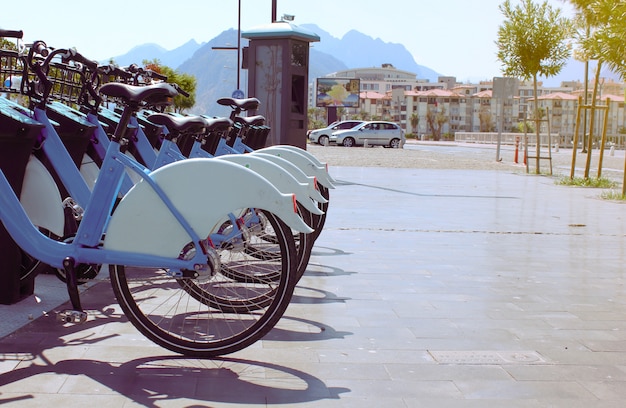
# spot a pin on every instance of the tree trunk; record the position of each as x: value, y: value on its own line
x: 592, y: 119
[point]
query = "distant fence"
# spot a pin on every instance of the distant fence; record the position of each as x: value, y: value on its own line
x: 507, y: 138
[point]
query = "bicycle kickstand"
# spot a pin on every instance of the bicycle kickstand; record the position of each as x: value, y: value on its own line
x: 76, y: 314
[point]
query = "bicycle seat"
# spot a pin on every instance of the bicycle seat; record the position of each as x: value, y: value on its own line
x: 161, y: 93
x: 250, y: 120
x: 179, y: 124
x: 241, y: 104
x: 217, y: 124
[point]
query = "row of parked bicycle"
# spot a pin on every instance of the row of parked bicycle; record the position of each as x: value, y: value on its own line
x: 205, y: 231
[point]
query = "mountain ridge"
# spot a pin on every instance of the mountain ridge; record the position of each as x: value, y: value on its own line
x: 215, y: 70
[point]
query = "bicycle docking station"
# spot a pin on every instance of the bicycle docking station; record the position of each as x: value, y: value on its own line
x: 279, y: 52
x: 17, y: 138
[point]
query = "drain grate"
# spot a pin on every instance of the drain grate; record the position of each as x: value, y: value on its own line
x: 488, y: 357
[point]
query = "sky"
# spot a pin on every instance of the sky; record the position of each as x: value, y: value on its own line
x: 452, y: 37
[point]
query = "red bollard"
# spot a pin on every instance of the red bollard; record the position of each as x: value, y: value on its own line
x: 516, y: 149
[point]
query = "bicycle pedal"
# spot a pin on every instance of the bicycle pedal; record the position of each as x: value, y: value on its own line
x: 72, y: 316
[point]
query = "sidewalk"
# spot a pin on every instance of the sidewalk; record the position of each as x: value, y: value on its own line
x: 427, y: 288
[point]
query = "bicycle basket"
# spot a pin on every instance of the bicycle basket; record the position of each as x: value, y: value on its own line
x: 67, y: 81
x: 12, y: 69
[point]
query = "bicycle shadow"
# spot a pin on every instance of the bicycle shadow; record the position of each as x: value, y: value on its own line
x: 148, y: 381
x: 318, y: 250
x: 39, y: 349
x: 299, y: 329
x: 320, y: 270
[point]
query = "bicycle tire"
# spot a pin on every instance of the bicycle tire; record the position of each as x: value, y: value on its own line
x: 169, y: 315
x: 320, y: 220
x: 30, y: 267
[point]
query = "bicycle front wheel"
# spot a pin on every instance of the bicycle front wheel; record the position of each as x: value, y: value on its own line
x: 204, y: 318
x: 320, y: 220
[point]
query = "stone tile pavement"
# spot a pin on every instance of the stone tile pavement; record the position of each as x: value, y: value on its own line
x: 427, y: 288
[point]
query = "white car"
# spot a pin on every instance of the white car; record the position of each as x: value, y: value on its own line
x: 321, y: 136
x: 376, y: 133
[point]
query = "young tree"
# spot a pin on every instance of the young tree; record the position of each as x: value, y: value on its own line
x: 604, y: 22
x: 605, y: 42
x: 363, y: 115
x: 436, y: 119
x: 532, y: 42
x: 185, y: 81
x: 486, y: 121
x: 415, y: 122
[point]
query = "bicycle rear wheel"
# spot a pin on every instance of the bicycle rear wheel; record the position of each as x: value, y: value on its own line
x: 320, y: 220
x: 248, y: 276
x: 205, y: 318
x: 265, y: 240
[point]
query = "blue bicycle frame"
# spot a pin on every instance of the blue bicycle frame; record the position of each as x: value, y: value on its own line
x: 86, y: 248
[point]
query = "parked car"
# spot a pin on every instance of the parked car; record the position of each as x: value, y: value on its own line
x: 376, y: 133
x: 321, y: 136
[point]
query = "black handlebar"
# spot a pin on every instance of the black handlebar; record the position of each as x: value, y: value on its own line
x: 136, y: 69
x: 73, y: 55
x: 11, y: 33
x: 113, y: 70
x: 180, y: 90
x: 140, y: 71
x: 39, y: 48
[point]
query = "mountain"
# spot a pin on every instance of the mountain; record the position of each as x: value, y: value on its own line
x: 150, y: 52
x: 216, y: 73
x: 322, y: 64
x: 215, y: 70
x: 358, y: 50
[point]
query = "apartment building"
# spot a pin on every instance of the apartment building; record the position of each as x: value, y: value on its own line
x: 397, y: 95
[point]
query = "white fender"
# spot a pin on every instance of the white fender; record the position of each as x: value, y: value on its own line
x: 297, y: 174
x: 303, y: 162
x: 204, y: 191
x: 309, y: 155
x: 276, y: 175
x: 41, y: 199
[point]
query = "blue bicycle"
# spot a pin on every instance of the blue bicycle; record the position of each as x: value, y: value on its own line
x: 156, y: 239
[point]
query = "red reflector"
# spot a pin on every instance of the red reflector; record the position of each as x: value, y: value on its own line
x: 295, y: 203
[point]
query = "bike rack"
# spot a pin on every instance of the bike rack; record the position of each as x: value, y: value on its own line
x: 17, y: 138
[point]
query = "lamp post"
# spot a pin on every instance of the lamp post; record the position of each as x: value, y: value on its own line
x: 238, y: 48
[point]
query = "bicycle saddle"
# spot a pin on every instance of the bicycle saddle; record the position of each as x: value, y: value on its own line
x: 179, y: 124
x: 217, y: 124
x: 250, y: 120
x: 161, y: 93
x: 241, y: 104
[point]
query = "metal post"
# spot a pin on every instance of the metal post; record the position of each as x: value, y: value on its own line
x: 603, y: 139
x: 273, y: 11
x: 500, y: 124
x: 575, y: 141
x: 238, y: 44
x: 549, y: 139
